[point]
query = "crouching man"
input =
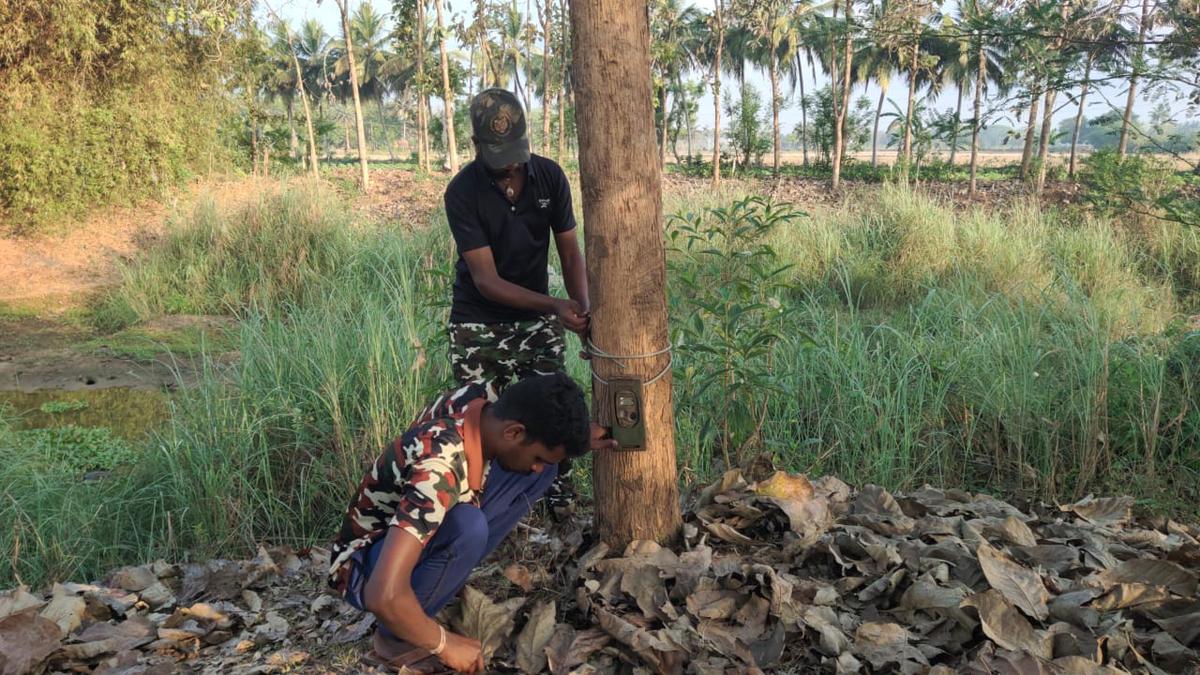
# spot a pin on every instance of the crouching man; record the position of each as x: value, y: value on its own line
x: 441, y: 497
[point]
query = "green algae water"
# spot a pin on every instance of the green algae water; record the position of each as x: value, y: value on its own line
x: 130, y: 414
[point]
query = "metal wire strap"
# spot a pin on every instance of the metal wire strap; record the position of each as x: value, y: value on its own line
x: 596, y: 353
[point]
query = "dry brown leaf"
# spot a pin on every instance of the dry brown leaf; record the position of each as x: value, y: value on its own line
x: 727, y: 533
x: 646, y: 588
x: 716, y: 603
x: 64, y: 610
x: 1021, y: 586
x: 486, y: 621
x: 26, y: 639
x: 832, y: 641
x: 1104, y: 511
x: 1069, y: 607
x: 1151, y: 572
x: 533, y: 638
x: 785, y: 486
x: 1005, y: 625
x: 662, y: 655
x: 18, y: 600
x: 520, y: 576
x: 1185, y: 628
x: 1130, y: 595
x: 133, y: 579
x: 106, y: 638
x: 1013, y: 530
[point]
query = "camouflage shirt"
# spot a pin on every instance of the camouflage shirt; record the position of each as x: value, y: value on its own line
x: 421, y: 475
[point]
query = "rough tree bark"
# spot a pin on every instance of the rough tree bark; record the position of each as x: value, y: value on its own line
x: 360, y: 129
x: 637, y: 495
x: 1083, y: 92
x: 875, y: 127
x: 1030, y: 132
x: 447, y: 93
x: 978, y: 122
x: 776, y: 138
x: 962, y: 85
x: 1127, y: 119
x: 562, y: 81
x: 912, y: 97
x: 312, y: 139
x: 544, y: 14
x: 839, y: 131
x: 422, y: 117
x: 716, y: 157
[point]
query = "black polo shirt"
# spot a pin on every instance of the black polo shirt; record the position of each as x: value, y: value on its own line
x: 519, y: 234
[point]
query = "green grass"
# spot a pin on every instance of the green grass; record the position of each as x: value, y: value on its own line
x: 1025, y: 351
x: 149, y: 343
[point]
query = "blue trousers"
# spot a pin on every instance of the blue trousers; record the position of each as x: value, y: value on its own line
x: 467, y: 535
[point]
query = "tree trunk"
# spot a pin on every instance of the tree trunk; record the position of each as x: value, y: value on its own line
x: 839, y: 135
x: 383, y: 131
x: 980, y: 81
x: 1083, y: 92
x: 687, y: 121
x: 308, y: 124
x: 1030, y: 132
x: 533, y: 141
x: 662, y: 148
x: 803, y: 109
x: 875, y: 126
x: 637, y: 494
x: 1127, y: 118
x: 1044, y: 140
x: 360, y: 129
x: 489, y: 64
x: 422, y: 118
x: 912, y: 95
x: 957, y: 121
x: 562, y: 85
x: 544, y: 11
x: 447, y: 93
x: 775, y: 137
x: 716, y: 156
x: 293, y: 139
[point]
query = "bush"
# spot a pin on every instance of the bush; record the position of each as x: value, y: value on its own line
x: 1141, y: 186
x: 107, y: 102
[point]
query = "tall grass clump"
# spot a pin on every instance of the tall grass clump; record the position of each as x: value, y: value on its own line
x: 272, y: 449
x: 59, y: 526
x: 1023, y: 352
x: 213, y: 261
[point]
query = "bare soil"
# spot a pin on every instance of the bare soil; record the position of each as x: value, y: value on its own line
x: 48, y: 279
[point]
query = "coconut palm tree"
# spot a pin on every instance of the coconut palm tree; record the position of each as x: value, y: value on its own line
x: 676, y: 38
x: 369, y: 36
x: 772, y: 39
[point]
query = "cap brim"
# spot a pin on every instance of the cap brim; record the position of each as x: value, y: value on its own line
x: 500, y: 155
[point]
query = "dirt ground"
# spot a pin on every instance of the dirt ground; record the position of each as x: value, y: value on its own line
x: 47, y: 281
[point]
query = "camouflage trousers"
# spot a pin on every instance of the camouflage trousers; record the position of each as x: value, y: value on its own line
x: 503, y: 353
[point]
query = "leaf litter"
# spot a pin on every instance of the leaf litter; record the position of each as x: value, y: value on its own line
x: 778, y: 575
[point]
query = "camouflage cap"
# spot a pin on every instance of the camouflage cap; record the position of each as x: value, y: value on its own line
x: 498, y: 125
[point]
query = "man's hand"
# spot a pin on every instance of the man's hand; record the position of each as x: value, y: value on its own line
x: 602, y: 438
x: 574, y: 318
x: 462, y: 654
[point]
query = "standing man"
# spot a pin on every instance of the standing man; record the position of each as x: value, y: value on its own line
x: 502, y: 209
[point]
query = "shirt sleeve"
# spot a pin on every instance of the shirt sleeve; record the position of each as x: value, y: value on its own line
x: 432, y: 489
x: 464, y: 221
x: 564, y: 214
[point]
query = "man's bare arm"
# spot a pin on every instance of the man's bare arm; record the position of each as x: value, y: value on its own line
x: 574, y: 268
x: 489, y: 282
x: 390, y: 597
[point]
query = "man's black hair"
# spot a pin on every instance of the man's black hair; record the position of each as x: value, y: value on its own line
x: 553, y: 410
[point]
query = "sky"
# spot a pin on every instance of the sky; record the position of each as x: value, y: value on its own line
x: 326, y: 12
